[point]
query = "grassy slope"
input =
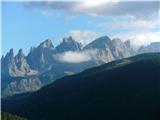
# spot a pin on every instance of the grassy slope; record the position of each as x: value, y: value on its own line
x: 8, y: 116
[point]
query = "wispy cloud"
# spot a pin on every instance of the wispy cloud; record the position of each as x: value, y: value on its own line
x: 130, y: 25
x: 46, y: 13
x: 140, y: 39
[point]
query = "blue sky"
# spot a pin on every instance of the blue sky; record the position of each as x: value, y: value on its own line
x: 26, y: 24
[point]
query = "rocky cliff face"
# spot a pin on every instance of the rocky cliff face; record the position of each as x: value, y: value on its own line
x: 68, y: 44
x: 40, y: 58
x: 21, y: 86
x: 119, y: 49
x: 109, y: 50
x: 21, y: 62
x: 14, y: 66
x: 9, y: 67
x: 102, y: 45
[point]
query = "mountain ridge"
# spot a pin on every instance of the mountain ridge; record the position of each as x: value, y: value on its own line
x: 42, y: 60
x: 93, y: 93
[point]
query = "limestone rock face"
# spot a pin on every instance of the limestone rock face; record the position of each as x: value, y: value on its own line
x: 41, y: 57
x: 68, y: 44
x: 14, y: 66
x: 21, y: 62
x: 108, y: 49
x: 22, y: 86
x: 9, y: 67
x: 119, y: 49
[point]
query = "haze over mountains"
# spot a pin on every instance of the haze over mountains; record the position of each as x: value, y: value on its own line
x: 21, y: 73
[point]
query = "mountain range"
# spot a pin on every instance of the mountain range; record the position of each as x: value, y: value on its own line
x: 46, y: 63
x: 126, y: 89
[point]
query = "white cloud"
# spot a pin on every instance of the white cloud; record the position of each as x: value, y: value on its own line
x: 83, y: 37
x: 46, y: 13
x: 73, y: 57
x: 146, y: 9
x: 76, y: 57
x: 146, y: 38
x: 130, y: 25
x: 139, y: 31
x: 140, y: 39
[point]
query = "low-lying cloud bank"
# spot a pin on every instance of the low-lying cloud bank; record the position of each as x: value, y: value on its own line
x: 76, y: 57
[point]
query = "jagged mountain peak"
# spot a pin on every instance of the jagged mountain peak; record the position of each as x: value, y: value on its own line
x: 32, y: 49
x: 128, y: 43
x: 9, y: 56
x: 2, y: 57
x: 101, y: 42
x: 68, y: 39
x: 11, y: 53
x: 117, y: 40
x: 20, y: 57
x: 103, y: 39
x: 20, y: 53
x: 46, y: 44
x: 68, y: 44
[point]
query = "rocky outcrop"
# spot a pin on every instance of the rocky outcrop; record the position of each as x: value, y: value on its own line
x: 9, y: 67
x: 21, y: 62
x: 14, y: 66
x: 108, y: 49
x: 68, y: 44
x: 119, y: 49
x: 22, y: 86
x: 41, y: 57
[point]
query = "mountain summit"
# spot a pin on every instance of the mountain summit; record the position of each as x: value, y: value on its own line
x: 46, y: 44
x: 68, y: 44
x: 99, y: 43
x: 21, y: 62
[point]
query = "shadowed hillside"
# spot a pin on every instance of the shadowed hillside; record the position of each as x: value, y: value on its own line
x: 128, y: 89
